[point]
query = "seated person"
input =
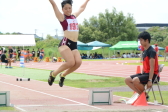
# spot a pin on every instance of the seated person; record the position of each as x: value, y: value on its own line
x: 6, y: 60
x: 41, y: 56
x: 54, y: 59
x: 150, y: 67
x: 14, y: 56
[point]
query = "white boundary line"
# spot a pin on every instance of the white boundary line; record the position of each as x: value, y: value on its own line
x: 20, y: 108
x: 48, y: 105
x: 51, y: 95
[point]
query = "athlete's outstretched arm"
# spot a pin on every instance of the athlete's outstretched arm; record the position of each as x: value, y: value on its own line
x: 58, y: 14
x: 81, y: 9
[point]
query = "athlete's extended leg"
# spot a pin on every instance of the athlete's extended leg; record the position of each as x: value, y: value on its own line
x: 67, y: 54
x: 78, y: 62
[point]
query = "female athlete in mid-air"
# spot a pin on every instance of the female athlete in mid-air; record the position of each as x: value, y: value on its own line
x: 68, y: 45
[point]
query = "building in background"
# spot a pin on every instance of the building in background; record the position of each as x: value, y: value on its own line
x: 144, y: 26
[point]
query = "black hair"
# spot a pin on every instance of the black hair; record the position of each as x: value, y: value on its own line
x: 5, y: 51
x: 64, y: 2
x: 145, y: 35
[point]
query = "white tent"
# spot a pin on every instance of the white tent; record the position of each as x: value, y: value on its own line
x: 17, y: 40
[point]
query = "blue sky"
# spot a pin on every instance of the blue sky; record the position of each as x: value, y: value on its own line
x: 27, y: 15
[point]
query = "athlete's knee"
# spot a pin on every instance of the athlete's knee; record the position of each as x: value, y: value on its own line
x: 128, y: 80
x: 135, y: 81
x: 78, y: 63
x: 70, y: 64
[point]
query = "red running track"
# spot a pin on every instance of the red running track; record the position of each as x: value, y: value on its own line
x: 38, y: 96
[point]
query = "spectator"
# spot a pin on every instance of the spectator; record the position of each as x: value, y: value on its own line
x: 90, y: 57
x: 124, y: 55
x: 38, y: 52
x: 54, y: 59
x: 6, y: 60
x: 3, y: 49
x: 118, y: 53
x: 166, y: 53
x: 19, y: 53
x: 157, y: 49
x: 41, y: 56
x: 150, y: 67
x: 28, y: 55
x: 95, y: 55
x: 129, y: 55
x: 33, y: 53
x: 14, y: 56
x: 0, y: 53
x: 42, y: 50
x: 10, y: 52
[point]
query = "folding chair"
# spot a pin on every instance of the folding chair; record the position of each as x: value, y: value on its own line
x: 157, y: 83
x: 1, y: 63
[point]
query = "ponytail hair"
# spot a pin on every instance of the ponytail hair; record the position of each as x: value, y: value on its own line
x: 64, y: 2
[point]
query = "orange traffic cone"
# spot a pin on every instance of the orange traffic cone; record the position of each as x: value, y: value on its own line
x: 138, y: 70
x: 141, y: 100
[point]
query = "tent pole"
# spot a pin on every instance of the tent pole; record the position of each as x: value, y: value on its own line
x: 24, y: 59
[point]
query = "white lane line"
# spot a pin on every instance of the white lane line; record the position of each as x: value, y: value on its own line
x: 51, y: 95
x: 49, y: 105
x: 20, y: 109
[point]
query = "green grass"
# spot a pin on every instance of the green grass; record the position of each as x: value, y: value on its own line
x: 41, y: 74
x: 7, y: 108
x: 151, y: 99
x: 95, y: 83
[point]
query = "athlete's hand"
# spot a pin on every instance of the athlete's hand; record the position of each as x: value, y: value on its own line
x: 149, y: 84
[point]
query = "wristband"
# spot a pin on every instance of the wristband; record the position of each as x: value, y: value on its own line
x: 150, y: 80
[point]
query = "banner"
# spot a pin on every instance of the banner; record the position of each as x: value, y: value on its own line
x: 21, y: 61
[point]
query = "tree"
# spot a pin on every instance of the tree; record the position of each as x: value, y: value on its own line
x: 48, y: 42
x: 109, y: 27
x: 7, y: 33
x: 159, y: 35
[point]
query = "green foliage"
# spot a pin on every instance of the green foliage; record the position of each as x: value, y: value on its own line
x: 48, y: 42
x: 109, y: 27
x: 159, y: 35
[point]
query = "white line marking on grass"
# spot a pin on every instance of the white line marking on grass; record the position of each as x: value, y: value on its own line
x: 20, y: 109
x: 50, y: 95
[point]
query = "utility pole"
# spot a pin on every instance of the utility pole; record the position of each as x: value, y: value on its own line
x: 56, y: 33
x: 35, y: 31
x: 42, y: 36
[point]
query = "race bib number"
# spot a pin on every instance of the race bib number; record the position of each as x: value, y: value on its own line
x: 72, y: 25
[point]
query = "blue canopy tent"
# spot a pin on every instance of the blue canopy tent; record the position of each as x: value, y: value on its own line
x: 98, y: 44
x: 83, y: 46
x: 79, y: 43
x: 160, y: 48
